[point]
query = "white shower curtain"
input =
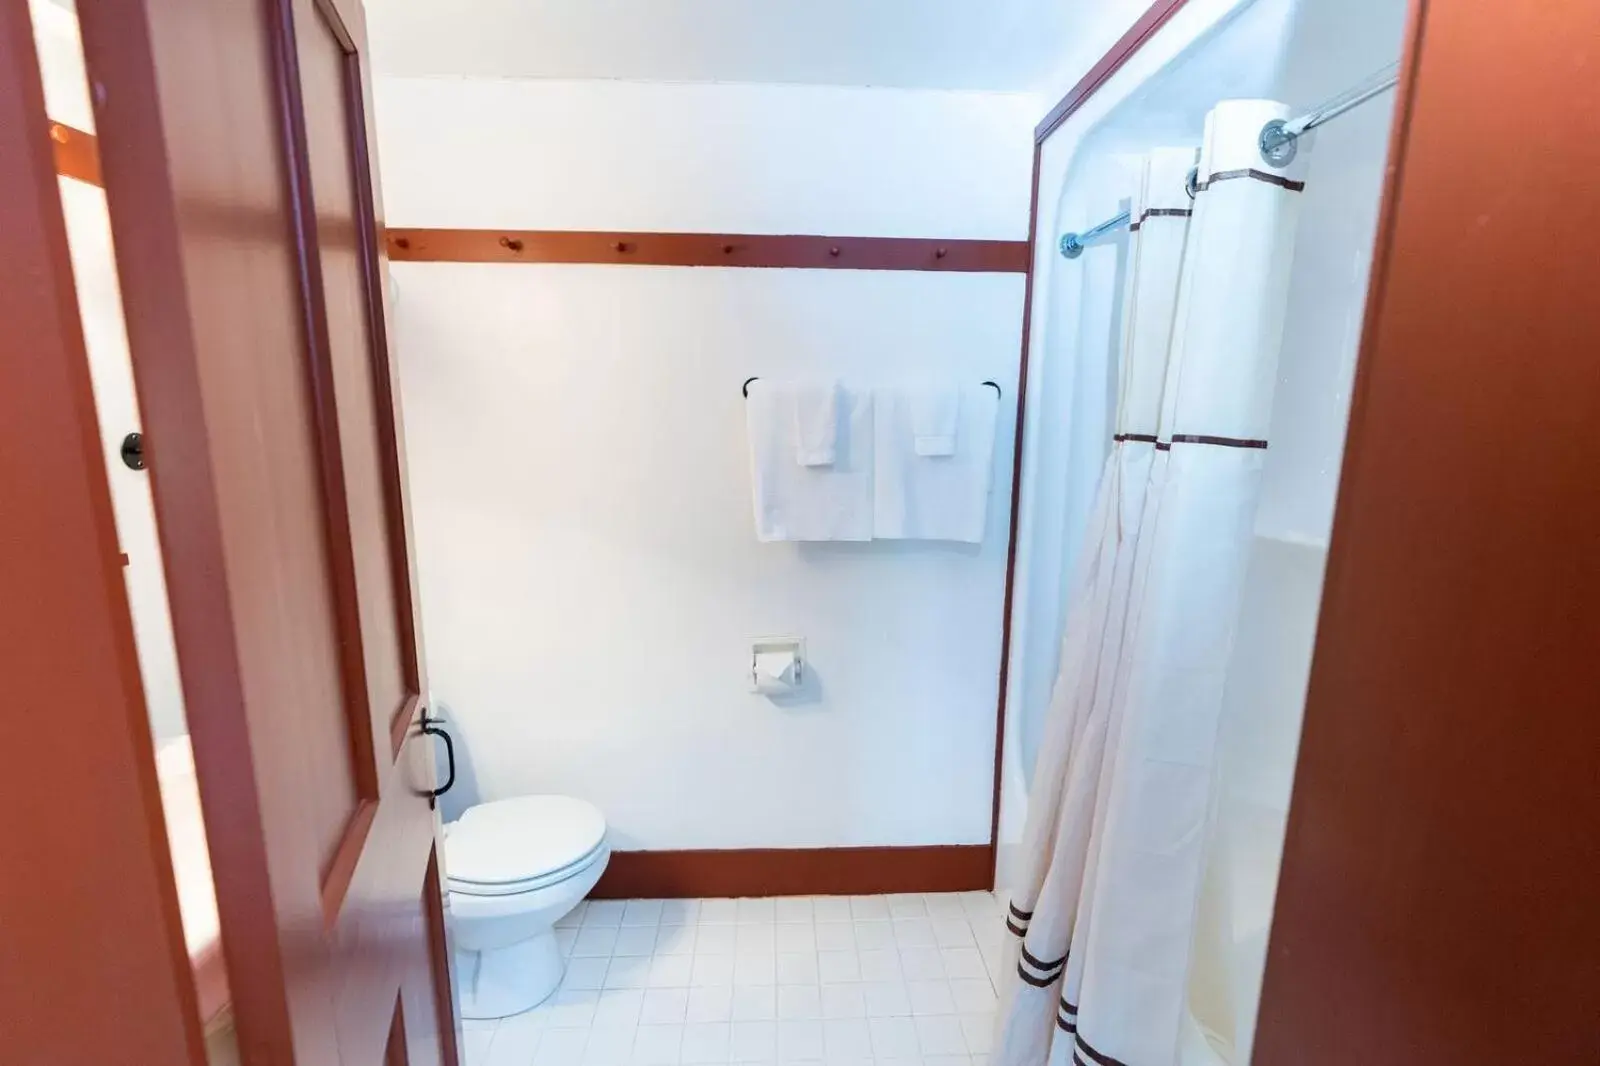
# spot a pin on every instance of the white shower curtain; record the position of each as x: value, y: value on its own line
x: 1120, y: 806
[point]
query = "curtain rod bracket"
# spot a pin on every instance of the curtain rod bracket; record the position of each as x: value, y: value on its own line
x: 1278, y: 146
x: 1279, y: 140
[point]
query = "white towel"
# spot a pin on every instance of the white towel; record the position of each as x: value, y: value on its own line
x: 816, y: 422
x: 795, y: 502
x: 920, y: 497
x: 935, y: 417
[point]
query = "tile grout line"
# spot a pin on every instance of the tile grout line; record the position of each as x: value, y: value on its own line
x: 745, y: 1008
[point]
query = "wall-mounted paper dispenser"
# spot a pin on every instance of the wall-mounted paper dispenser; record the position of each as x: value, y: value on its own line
x: 777, y: 665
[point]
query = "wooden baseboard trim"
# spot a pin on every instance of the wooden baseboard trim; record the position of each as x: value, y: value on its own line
x: 796, y: 872
x: 706, y: 249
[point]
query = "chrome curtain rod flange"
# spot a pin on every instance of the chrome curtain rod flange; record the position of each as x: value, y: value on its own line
x: 1279, y: 138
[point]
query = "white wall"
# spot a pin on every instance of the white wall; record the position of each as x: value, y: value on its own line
x: 612, y: 155
x: 590, y: 577
x: 909, y: 44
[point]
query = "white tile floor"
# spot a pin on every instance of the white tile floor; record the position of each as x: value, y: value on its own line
x: 902, y: 980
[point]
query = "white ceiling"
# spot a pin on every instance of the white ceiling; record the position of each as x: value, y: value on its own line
x: 935, y: 44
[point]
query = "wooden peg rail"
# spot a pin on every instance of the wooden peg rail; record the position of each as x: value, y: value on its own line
x: 706, y: 249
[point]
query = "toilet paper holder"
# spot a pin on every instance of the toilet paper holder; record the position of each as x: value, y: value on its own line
x: 767, y: 651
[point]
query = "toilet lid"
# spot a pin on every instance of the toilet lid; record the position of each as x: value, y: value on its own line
x: 529, y: 838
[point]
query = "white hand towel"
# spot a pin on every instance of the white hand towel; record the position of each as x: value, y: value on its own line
x: 816, y: 422
x: 919, y: 497
x: 795, y: 502
x: 935, y: 416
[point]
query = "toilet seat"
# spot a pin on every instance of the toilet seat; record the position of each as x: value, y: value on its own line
x: 514, y: 846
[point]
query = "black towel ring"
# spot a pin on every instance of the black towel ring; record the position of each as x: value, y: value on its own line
x: 745, y: 388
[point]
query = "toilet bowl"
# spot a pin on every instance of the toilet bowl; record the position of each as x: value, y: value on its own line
x: 514, y: 868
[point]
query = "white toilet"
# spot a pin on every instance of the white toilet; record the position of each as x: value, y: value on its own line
x: 515, y: 867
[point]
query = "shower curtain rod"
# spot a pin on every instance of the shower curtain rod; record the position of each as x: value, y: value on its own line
x: 1279, y: 142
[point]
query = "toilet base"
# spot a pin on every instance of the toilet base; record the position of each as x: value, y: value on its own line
x: 504, y: 981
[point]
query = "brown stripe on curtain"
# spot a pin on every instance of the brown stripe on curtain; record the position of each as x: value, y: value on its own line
x: 1201, y: 438
x: 1027, y: 957
x: 1253, y: 175
x: 1036, y: 982
x: 1095, y: 1058
x: 1047, y: 973
x: 1159, y: 212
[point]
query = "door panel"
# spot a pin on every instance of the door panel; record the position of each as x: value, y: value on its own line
x: 246, y: 229
x: 93, y: 968
x: 1437, y: 901
x: 330, y: 74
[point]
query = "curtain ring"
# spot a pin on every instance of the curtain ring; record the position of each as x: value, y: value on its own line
x: 1191, y: 182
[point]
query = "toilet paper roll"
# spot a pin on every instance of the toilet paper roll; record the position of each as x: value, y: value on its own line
x: 775, y: 669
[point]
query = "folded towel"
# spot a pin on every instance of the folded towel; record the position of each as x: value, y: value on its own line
x: 816, y: 422
x: 935, y: 414
x: 796, y: 502
x: 916, y: 497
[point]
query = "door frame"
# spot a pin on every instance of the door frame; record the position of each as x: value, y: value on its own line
x: 84, y: 861
x: 1435, y: 903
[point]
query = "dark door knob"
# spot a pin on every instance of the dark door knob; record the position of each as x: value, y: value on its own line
x: 133, y: 451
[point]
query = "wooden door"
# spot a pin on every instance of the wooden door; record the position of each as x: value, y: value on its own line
x: 1437, y: 903
x: 235, y: 145
x: 93, y: 968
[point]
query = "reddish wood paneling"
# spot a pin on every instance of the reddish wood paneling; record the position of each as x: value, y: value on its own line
x: 215, y: 331
x: 706, y: 249
x: 444, y: 1010
x: 93, y: 968
x: 244, y: 221
x: 76, y: 155
x: 1437, y: 901
x: 795, y: 872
